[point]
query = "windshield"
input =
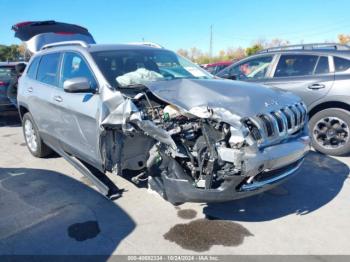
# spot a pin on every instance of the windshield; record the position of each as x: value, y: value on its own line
x: 134, y: 67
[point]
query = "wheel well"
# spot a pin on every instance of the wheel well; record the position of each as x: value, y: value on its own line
x: 22, y: 111
x: 327, y: 105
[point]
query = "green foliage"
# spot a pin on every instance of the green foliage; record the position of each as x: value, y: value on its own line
x: 10, y: 53
x: 253, y: 49
x: 199, y: 57
x: 344, y: 39
x: 230, y: 54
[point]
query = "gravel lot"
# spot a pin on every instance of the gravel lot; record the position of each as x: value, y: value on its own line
x: 47, y: 207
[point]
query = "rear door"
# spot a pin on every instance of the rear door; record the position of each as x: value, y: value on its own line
x: 308, y: 76
x: 342, y: 73
x: 37, y: 87
x: 79, y: 128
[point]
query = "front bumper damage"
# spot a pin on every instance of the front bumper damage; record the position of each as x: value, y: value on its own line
x: 202, y: 153
x: 276, y: 164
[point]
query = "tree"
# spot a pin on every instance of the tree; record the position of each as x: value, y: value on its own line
x: 195, y: 53
x: 203, y: 59
x: 229, y: 54
x: 344, y: 39
x: 4, y: 53
x: 199, y: 57
x: 14, y: 52
x: 234, y: 54
x: 277, y: 42
x: 9, y: 53
x: 254, y: 49
x: 183, y: 52
x: 23, y: 51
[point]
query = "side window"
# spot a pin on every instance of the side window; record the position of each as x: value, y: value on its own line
x: 322, y: 66
x: 251, y: 69
x: 341, y: 64
x: 211, y: 69
x: 75, y: 66
x: 48, y: 69
x: 31, y: 73
x: 296, y: 65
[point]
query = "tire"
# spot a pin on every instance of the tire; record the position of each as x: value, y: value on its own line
x: 330, y: 131
x: 32, y: 137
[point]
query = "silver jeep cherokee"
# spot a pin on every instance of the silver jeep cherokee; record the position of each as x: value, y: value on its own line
x: 146, y: 109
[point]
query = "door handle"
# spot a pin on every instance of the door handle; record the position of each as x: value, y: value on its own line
x: 316, y: 86
x: 30, y: 89
x: 58, y: 99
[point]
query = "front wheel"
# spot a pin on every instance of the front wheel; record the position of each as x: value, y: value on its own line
x: 31, y: 135
x: 330, y: 131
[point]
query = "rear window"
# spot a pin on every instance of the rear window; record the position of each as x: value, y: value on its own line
x: 31, y: 73
x: 296, y: 65
x: 7, y: 72
x: 341, y: 64
x: 48, y: 68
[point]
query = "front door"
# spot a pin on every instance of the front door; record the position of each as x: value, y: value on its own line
x: 253, y: 69
x: 78, y: 111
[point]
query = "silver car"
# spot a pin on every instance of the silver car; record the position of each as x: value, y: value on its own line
x: 319, y: 74
x: 114, y: 108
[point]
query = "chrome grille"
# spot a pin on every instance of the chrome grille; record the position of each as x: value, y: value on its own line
x: 268, y: 127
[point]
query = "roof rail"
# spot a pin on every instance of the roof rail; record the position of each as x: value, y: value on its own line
x: 313, y: 46
x: 65, y: 43
x: 151, y: 44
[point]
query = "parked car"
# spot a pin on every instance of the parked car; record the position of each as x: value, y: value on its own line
x: 149, y: 110
x: 215, y: 68
x: 320, y: 75
x: 7, y: 74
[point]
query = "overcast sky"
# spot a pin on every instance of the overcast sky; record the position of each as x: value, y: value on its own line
x: 183, y: 24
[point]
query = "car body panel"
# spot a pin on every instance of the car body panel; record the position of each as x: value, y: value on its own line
x: 79, y: 127
x: 302, y: 86
x: 37, y: 99
x: 243, y: 99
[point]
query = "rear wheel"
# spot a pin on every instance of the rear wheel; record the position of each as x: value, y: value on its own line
x: 31, y: 135
x: 330, y: 131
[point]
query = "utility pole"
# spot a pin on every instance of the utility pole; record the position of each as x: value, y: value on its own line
x: 211, y: 42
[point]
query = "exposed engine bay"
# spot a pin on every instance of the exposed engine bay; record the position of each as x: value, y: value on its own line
x: 163, y: 142
x: 195, y: 139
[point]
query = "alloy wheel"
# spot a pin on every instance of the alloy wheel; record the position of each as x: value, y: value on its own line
x: 331, y: 132
x: 30, y: 135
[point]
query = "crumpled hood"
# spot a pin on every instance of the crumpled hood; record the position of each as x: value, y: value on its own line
x: 239, y: 98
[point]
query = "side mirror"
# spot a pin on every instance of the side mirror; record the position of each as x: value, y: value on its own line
x: 77, y: 85
x: 228, y: 76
